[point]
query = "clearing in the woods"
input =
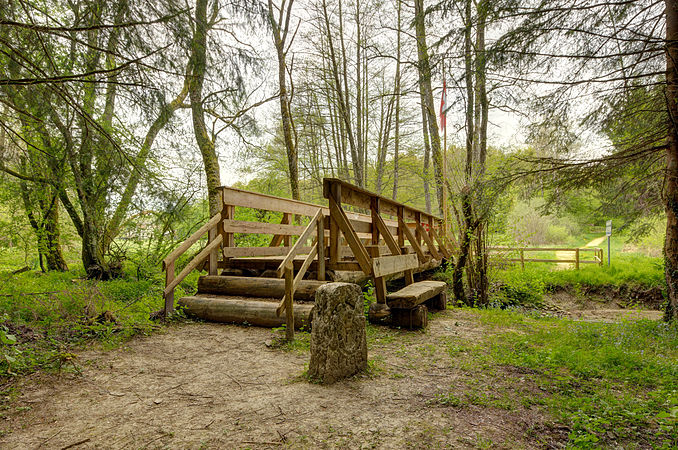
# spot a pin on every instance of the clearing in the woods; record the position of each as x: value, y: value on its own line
x: 200, y: 385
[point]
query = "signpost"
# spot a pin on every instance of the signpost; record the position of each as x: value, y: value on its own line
x: 608, y: 233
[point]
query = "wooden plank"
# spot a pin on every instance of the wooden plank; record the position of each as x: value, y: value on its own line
x: 408, y: 274
x: 169, y: 296
x: 334, y: 198
x: 297, y: 279
x: 240, y: 226
x: 289, y: 306
x: 379, y: 281
x: 214, y: 255
x: 385, y: 232
x: 415, y: 294
x: 239, y: 252
x: 320, y: 245
x: 229, y: 238
x: 247, y: 199
x: 413, y: 241
x: 387, y: 265
x: 345, y: 266
x: 310, y: 228
x: 199, y: 259
x: 543, y: 249
x: 279, y: 238
x: 353, y: 240
x: 441, y: 244
x: 212, y: 223
x: 356, y: 196
x: 429, y: 243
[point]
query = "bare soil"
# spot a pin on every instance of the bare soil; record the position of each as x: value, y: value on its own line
x: 200, y: 385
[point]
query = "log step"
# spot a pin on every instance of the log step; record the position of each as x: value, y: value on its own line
x: 254, y: 311
x: 415, y: 294
x: 255, y: 287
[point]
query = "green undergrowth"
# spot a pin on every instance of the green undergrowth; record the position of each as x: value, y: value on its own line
x: 512, y: 286
x: 46, y: 316
x: 611, y: 384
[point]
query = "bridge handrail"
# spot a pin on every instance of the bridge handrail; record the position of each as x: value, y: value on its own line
x: 210, y: 251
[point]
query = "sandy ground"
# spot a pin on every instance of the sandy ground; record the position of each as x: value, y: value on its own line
x: 200, y: 385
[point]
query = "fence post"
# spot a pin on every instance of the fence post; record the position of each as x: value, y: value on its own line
x: 600, y: 263
x: 576, y: 258
x: 169, y: 297
x: 522, y: 258
x: 289, y: 300
x: 214, y: 255
x: 321, y: 248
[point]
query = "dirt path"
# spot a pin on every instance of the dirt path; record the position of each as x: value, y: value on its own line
x: 201, y: 385
x: 571, y: 255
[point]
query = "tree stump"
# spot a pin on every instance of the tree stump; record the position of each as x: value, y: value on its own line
x: 338, y: 339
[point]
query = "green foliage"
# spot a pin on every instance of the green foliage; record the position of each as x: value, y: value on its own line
x: 512, y: 286
x: 519, y: 288
x: 608, y: 382
x: 43, y: 316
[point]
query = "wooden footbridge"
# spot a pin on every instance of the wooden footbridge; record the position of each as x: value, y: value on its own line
x: 380, y: 240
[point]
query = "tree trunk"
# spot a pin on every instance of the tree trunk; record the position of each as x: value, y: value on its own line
x: 198, y: 67
x: 464, y: 247
x: 426, y: 93
x: 396, y: 142
x: 427, y: 157
x: 280, y: 29
x: 671, y: 188
x: 52, y: 244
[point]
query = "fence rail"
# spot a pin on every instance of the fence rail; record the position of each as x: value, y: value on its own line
x: 597, y: 257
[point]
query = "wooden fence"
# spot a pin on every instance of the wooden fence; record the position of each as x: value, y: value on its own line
x: 597, y: 255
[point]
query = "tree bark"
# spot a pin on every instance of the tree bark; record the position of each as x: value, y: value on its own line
x: 280, y: 31
x: 426, y: 94
x: 671, y: 188
x: 396, y: 137
x: 198, y: 68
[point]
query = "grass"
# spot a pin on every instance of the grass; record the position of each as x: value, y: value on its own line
x: 609, y: 384
x: 512, y: 286
x: 45, y: 316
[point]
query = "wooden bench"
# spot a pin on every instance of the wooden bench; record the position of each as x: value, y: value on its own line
x: 417, y: 293
x: 410, y: 305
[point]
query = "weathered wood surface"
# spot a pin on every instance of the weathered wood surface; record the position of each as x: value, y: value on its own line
x: 237, y: 197
x: 388, y: 265
x: 306, y: 233
x: 199, y: 259
x: 238, y: 252
x: 259, y: 312
x: 191, y: 240
x: 240, y: 226
x: 415, y: 294
x: 255, y: 287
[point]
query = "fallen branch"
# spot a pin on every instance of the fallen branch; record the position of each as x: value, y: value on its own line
x: 75, y: 444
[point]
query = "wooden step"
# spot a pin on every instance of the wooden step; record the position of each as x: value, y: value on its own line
x: 415, y: 294
x: 254, y: 311
x: 255, y: 287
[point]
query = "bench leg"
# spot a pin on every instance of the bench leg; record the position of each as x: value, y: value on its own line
x: 416, y: 317
x: 437, y: 303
